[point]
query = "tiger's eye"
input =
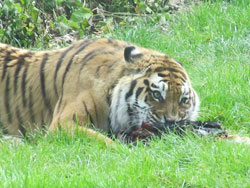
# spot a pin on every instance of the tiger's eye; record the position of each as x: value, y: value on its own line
x: 157, y: 95
x: 184, y: 100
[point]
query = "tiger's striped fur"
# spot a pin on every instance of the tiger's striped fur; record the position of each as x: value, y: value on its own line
x: 111, y: 84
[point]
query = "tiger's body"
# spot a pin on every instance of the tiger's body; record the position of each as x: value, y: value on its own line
x: 109, y: 84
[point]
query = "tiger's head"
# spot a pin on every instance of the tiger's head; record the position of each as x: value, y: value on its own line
x: 154, y: 89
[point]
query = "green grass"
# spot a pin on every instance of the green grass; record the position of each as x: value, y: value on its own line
x: 212, y: 41
x: 61, y: 161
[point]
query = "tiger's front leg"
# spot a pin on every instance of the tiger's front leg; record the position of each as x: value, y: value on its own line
x: 75, y: 115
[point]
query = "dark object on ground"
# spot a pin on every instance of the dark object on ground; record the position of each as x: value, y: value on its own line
x: 198, y: 127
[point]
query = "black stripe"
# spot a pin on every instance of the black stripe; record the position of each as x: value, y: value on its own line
x: 161, y: 69
x: 104, y: 64
x: 84, y: 44
x: 31, y: 112
x: 20, y: 63
x: 95, y: 108
x: 108, y: 99
x: 130, y: 114
x: 148, y: 68
x: 112, y: 65
x: 90, y: 55
x: 82, y: 47
x: 75, y: 119
x: 42, y: 81
x: 110, y: 41
x: 146, y: 82
x: 20, y: 121
x: 154, y: 117
x: 58, y: 65
x: 98, y: 70
x: 154, y: 86
x: 109, y: 130
x: 88, y: 114
x: 163, y: 87
x: 44, y: 127
x: 163, y: 75
x: 130, y: 111
x: 165, y: 81
x: 24, y: 85
x: 178, y: 77
x: 109, y: 91
x: 97, y: 52
x: 7, y: 99
x: 93, y: 54
x: 96, y: 114
x: 3, y: 129
x: 5, y: 63
x: 130, y: 92
x: 138, y: 92
x: 42, y: 120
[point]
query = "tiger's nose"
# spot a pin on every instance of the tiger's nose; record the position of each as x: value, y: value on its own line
x: 172, y: 117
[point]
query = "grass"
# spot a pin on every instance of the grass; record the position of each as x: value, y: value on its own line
x: 62, y: 161
x: 212, y: 41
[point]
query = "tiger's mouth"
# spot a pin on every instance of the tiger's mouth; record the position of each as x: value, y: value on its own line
x: 158, y: 126
x: 146, y: 130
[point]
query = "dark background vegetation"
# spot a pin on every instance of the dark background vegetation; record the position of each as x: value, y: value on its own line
x: 29, y: 23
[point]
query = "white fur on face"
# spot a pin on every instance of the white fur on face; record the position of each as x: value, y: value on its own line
x: 118, y: 113
x: 194, y: 110
x: 127, y: 112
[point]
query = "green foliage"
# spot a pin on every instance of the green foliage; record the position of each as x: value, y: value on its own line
x: 132, y: 6
x: 19, y: 22
x: 36, y: 23
x: 149, y: 6
x: 28, y: 22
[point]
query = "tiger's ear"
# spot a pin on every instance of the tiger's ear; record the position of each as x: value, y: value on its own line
x: 131, y: 53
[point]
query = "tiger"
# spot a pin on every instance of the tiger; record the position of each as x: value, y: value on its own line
x: 96, y: 86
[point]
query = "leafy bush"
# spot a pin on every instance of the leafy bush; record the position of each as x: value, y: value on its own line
x: 20, y: 22
x: 28, y: 22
